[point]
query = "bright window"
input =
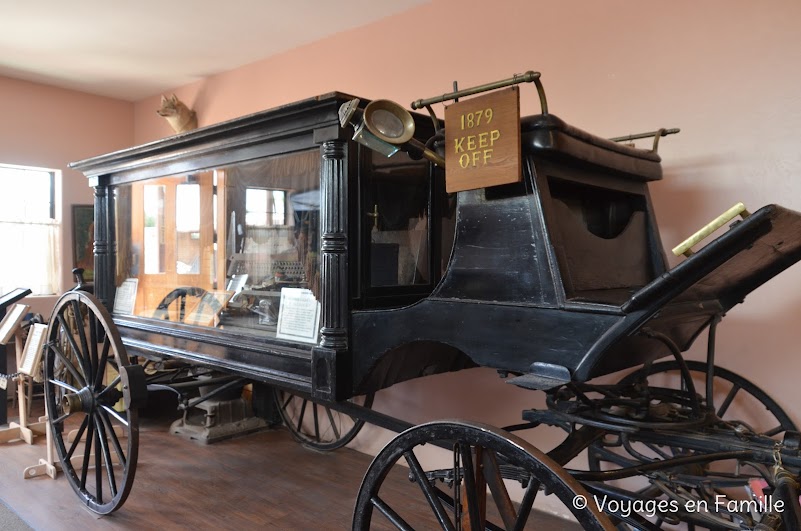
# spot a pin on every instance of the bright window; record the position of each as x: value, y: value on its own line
x: 265, y: 208
x: 28, y: 230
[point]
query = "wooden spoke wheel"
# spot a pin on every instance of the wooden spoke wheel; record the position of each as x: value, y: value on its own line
x: 86, y: 387
x: 316, y: 425
x: 451, y: 467
x: 737, y: 402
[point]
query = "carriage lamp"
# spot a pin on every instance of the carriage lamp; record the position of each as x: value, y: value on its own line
x: 385, y: 127
x: 382, y: 126
x: 364, y: 136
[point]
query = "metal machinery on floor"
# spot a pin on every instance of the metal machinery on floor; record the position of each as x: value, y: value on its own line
x: 321, y: 248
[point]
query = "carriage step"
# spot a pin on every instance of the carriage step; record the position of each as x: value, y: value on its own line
x: 543, y: 376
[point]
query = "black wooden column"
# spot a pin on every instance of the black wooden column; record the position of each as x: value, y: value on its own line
x: 334, y: 247
x: 105, y: 244
x: 328, y: 363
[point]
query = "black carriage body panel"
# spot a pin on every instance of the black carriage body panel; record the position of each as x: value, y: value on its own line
x: 438, y: 335
x: 499, y: 253
x: 511, y: 242
x: 521, y: 288
x: 284, y: 365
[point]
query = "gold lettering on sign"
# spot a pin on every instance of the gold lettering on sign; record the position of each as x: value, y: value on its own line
x: 477, y: 151
x: 482, y: 138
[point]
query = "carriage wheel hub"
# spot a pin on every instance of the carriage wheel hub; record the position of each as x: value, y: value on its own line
x: 83, y: 400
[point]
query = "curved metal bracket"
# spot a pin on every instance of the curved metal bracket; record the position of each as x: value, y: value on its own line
x: 527, y: 77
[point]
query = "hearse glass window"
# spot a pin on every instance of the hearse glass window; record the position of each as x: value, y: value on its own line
x: 397, y: 218
x: 224, y: 248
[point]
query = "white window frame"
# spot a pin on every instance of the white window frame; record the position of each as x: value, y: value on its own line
x: 31, y: 244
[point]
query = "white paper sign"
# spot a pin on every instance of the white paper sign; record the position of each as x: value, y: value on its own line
x: 33, y: 349
x: 298, y: 316
x: 125, y: 298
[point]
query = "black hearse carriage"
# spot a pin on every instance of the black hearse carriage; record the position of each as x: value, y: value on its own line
x: 277, y: 248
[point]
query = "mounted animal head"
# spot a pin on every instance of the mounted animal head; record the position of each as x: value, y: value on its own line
x: 180, y: 117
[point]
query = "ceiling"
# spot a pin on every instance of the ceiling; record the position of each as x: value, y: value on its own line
x: 132, y: 50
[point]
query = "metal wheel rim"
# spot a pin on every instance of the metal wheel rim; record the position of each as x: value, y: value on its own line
x: 546, y: 472
x: 104, y: 488
x: 317, y: 412
x: 743, y: 384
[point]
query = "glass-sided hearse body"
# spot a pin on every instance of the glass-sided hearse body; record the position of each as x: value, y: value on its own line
x: 277, y: 247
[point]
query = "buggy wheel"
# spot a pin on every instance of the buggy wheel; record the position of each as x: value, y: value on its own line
x: 452, y: 487
x: 95, y: 435
x: 734, y: 396
x: 317, y: 426
x: 738, y: 402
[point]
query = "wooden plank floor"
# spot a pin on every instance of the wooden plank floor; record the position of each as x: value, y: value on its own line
x: 260, y: 481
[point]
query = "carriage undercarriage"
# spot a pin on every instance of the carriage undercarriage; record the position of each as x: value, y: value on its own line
x: 689, y: 462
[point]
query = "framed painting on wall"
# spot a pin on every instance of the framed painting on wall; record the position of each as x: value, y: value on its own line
x: 83, y: 239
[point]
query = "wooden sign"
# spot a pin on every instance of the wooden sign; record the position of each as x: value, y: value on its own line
x: 482, y: 141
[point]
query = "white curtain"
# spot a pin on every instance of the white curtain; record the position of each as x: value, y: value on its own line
x: 31, y: 257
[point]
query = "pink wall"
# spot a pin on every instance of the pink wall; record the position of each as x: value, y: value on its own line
x: 725, y: 71
x: 51, y: 127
